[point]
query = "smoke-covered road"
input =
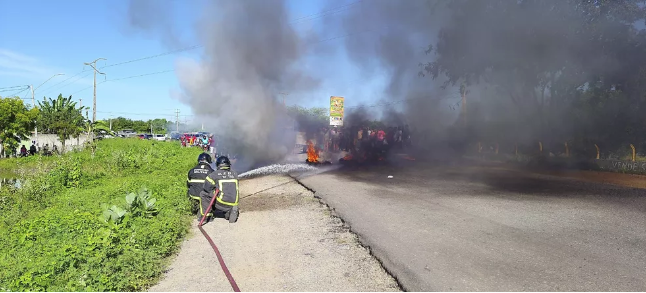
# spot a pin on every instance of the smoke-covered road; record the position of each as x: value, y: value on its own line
x: 460, y: 228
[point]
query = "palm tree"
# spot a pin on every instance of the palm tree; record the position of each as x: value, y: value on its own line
x: 62, y: 117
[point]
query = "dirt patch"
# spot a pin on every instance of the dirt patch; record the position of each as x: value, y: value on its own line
x: 272, y: 193
x: 285, y: 240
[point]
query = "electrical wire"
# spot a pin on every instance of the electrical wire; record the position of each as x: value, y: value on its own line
x: 82, y: 77
x: 123, y: 78
x: 304, y: 18
x: 17, y: 94
x: 53, y: 86
x: 10, y: 88
x: 144, y: 114
x: 153, y: 56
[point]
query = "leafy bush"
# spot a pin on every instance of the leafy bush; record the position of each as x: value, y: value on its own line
x: 77, y: 225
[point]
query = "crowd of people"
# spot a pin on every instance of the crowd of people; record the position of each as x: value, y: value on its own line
x: 358, y: 138
x: 33, y: 150
x: 206, y: 142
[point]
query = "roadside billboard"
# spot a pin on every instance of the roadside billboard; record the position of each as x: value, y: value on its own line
x: 336, y: 111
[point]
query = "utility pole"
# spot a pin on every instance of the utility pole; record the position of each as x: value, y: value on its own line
x: 93, y: 65
x: 177, y: 120
x: 33, y: 101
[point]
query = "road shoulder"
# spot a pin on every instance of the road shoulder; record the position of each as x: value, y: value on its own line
x: 285, y: 240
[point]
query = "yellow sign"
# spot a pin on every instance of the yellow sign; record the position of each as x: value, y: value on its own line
x: 336, y: 106
x: 336, y: 111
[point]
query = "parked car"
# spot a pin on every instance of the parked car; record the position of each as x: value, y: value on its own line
x: 127, y: 133
x: 144, y: 136
x: 160, y: 137
x: 175, y: 135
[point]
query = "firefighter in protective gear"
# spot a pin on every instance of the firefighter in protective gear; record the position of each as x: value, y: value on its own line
x: 223, y: 182
x: 196, y: 178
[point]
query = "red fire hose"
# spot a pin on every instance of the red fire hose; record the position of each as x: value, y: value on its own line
x: 215, y: 248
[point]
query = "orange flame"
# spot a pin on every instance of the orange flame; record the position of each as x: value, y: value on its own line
x: 312, y: 153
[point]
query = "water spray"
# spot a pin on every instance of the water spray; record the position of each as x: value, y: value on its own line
x: 277, y: 169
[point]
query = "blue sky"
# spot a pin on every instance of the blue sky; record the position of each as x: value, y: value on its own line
x: 42, y: 38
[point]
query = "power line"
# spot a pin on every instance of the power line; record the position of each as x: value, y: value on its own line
x: 154, y: 56
x: 14, y: 89
x: 304, y: 18
x: 16, y: 93
x: 76, y: 80
x: 146, y: 114
x: 142, y: 75
x: 10, y: 88
x: 75, y: 75
x: 20, y: 92
x: 172, y: 70
x: 127, y: 77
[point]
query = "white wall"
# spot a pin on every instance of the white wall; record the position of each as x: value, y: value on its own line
x: 52, y: 140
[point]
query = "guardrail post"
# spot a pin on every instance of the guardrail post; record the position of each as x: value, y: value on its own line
x: 596, y: 146
x: 634, y: 152
x: 540, y: 146
x: 567, y: 150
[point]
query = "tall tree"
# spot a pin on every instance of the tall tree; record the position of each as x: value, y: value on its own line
x: 542, y: 54
x: 62, y: 117
x: 309, y: 118
x: 16, y: 122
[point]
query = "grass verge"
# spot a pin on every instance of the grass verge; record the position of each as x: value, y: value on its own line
x: 86, y: 223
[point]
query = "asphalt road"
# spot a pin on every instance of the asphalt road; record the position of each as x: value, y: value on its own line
x: 463, y: 228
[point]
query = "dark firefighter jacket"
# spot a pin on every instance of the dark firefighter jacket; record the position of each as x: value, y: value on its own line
x: 196, y: 178
x: 226, y: 181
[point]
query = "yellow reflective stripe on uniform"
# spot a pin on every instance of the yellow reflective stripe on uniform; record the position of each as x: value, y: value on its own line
x: 195, y: 180
x: 219, y: 198
x: 201, y: 210
x: 196, y: 197
x: 210, y: 180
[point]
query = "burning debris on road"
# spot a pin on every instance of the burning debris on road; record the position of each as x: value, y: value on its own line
x: 313, y: 157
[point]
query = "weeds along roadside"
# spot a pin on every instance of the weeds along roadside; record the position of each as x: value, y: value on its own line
x: 84, y: 223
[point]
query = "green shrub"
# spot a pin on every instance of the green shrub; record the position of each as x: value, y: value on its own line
x: 94, y: 223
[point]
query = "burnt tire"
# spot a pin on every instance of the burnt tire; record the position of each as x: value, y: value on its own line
x: 233, y: 214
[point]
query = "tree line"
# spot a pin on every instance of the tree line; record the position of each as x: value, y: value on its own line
x: 65, y: 118
x: 554, y: 71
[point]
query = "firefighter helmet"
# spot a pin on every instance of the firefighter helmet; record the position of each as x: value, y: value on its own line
x: 204, y: 158
x: 223, y: 162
